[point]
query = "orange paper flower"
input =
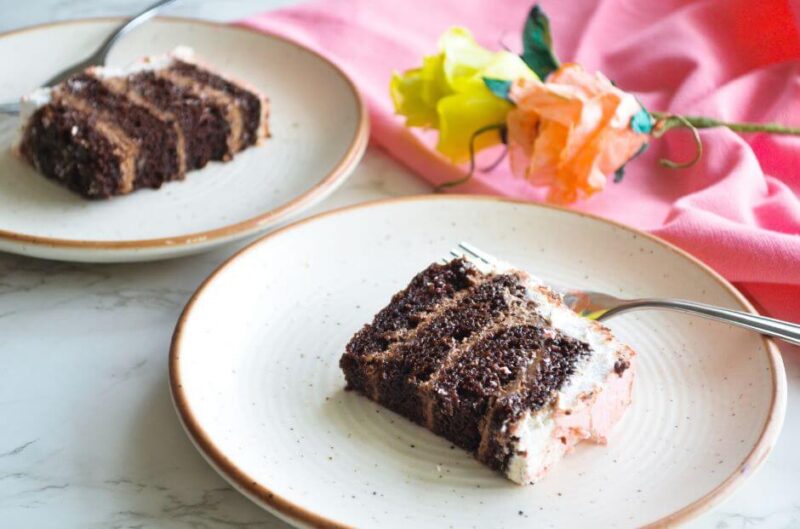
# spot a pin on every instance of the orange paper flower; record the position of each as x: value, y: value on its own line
x: 571, y: 132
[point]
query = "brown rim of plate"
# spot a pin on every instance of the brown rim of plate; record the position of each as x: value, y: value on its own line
x: 286, y: 508
x: 332, y: 179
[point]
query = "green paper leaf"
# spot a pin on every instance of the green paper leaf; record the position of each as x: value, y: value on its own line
x: 499, y: 87
x: 642, y: 122
x: 537, y: 44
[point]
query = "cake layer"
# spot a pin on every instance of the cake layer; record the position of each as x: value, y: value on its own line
x: 486, y: 363
x: 366, y: 351
x: 158, y: 157
x: 557, y: 360
x: 202, y: 121
x: 91, y: 150
x: 253, y: 110
x: 516, y: 367
x: 414, y: 362
x: 465, y: 390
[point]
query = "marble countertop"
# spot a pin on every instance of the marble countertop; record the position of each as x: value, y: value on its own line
x: 88, y: 435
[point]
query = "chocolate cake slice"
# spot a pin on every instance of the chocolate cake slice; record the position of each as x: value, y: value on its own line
x: 108, y: 131
x: 495, y: 362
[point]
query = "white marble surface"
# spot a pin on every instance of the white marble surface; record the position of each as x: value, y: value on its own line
x: 88, y: 436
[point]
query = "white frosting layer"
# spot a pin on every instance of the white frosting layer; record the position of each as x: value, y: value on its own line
x: 537, y: 441
x: 41, y: 96
x: 591, y: 372
x: 37, y: 98
x: 536, y: 433
x: 539, y: 446
x: 27, y: 106
x: 146, y: 64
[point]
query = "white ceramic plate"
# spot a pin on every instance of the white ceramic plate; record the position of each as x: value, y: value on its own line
x: 255, y: 376
x: 319, y: 136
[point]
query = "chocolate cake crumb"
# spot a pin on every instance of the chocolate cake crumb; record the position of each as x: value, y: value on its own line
x: 620, y: 366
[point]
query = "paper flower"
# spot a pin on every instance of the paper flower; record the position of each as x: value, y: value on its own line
x: 448, y: 93
x: 571, y: 132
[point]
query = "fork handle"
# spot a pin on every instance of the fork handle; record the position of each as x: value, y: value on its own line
x: 787, y: 331
x: 98, y: 58
x: 134, y: 22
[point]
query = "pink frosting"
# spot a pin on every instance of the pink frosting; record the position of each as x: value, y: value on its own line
x: 591, y: 420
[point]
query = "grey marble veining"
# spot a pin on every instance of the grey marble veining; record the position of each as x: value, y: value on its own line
x: 88, y: 435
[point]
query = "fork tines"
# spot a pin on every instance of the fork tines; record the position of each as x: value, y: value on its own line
x: 469, y: 250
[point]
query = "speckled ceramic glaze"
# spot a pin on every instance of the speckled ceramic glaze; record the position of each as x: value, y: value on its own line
x: 255, y: 376
x: 318, y: 137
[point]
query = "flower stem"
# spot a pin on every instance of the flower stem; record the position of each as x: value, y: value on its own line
x: 472, y: 166
x: 666, y: 121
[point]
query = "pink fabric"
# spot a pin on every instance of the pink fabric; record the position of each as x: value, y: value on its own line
x: 737, y: 209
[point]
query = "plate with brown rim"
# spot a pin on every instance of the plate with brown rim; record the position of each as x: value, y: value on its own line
x: 255, y: 377
x: 318, y: 137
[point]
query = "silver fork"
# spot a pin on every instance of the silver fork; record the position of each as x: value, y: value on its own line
x: 601, y: 306
x: 98, y: 58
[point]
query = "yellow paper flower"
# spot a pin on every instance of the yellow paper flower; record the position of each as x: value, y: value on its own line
x: 571, y: 132
x: 448, y: 92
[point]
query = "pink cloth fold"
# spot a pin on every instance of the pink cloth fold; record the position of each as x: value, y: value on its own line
x: 737, y: 209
